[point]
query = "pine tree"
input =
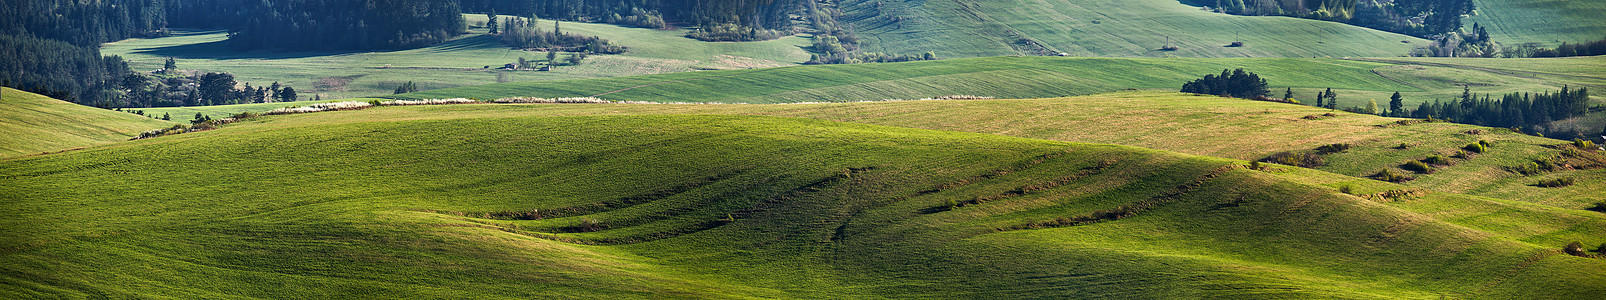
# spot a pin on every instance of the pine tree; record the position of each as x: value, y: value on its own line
x: 1332, y: 99
x: 1321, y: 99
x: 492, y: 21
x: 1288, y: 95
x: 288, y: 94
x: 170, y: 66
x: 1396, y: 103
x: 166, y: 117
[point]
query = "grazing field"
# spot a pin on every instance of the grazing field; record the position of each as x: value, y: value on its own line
x: 459, y: 62
x: 1120, y: 28
x: 1037, y: 77
x: 32, y: 124
x: 460, y: 202
x: 1548, y: 22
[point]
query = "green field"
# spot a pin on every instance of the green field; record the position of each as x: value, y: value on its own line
x: 34, y: 124
x: 1121, y: 28
x: 458, y: 62
x: 441, y: 202
x: 1038, y: 77
x: 1548, y: 22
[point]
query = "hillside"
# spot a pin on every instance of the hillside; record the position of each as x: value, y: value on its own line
x: 458, y: 62
x: 1127, y: 28
x: 1039, y: 77
x: 1513, y: 22
x: 481, y: 206
x: 32, y: 124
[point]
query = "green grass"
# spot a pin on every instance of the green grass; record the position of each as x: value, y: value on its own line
x: 1129, y: 28
x: 1038, y: 77
x: 1208, y: 125
x: 390, y: 202
x: 1513, y: 22
x: 458, y: 62
x: 34, y: 124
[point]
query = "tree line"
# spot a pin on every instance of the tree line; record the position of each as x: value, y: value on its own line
x: 1421, y: 18
x: 1528, y: 112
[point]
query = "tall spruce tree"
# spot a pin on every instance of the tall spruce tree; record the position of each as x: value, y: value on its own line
x: 1396, y: 103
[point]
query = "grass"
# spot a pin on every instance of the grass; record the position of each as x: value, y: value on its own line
x: 1137, y: 28
x: 1513, y: 22
x: 1211, y: 126
x: 1037, y: 77
x: 458, y: 62
x: 34, y: 124
x: 403, y: 202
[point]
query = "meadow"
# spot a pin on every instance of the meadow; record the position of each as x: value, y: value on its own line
x: 1513, y: 22
x: 463, y: 201
x: 35, y: 124
x: 459, y: 62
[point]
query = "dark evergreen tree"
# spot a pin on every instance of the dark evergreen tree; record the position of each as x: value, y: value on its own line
x: 1288, y: 94
x: 409, y: 87
x: 1396, y: 104
x: 288, y: 94
x: 491, y: 24
x: 170, y: 66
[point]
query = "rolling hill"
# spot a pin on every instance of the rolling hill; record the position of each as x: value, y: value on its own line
x: 409, y: 202
x: 34, y: 124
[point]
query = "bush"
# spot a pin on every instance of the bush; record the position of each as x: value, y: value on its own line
x: 1583, y: 144
x: 1307, y: 160
x: 1462, y: 154
x: 1437, y: 160
x: 1418, y: 167
x: 1476, y: 147
x: 1575, y: 249
x: 1554, y: 183
x: 1347, y: 190
x: 1403, y: 146
x: 1333, y: 148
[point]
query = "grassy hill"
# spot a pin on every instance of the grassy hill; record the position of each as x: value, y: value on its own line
x: 1513, y: 22
x: 1207, y: 125
x: 459, y: 201
x: 33, y: 124
x: 458, y: 62
x: 1131, y: 28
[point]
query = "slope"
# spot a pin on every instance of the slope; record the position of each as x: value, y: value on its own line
x: 1549, y: 23
x: 1127, y: 28
x: 1038, y: 77
x: 32, y: 124
x: 1201, y: 125
x: 727, y: 207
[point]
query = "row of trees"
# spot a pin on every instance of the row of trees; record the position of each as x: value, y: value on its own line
x: 522, y: 33
x: 760, y: 14
x: 1514, y: 110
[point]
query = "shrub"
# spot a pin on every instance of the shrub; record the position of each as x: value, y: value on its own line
x: 1583, y: 144
x: 1403, y: 146
x: 1575, y: 249
x: 1553, y: 183
x: 1418, y: 167
x: 1333, y: 148
x: 1391, y: 176
x: 1347, y: 190
x: 1462, y: 154
x: 1255, y: 165
x: 1298, y: 159
x: 1476, y: 147
x: 1437, y: 160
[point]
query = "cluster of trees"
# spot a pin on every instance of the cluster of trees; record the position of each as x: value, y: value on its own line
x: 1475, y: 43
x: 52, y: 47
x: 867, y: 57
x: 734, y: 33
x: 760, y: 15
x: 1421, y: 18
x: 522, y: 33
x: 344, y: 24
x: 1235, y: 83
x: 1568, y: 50
x: 639, y: 18
x: 1532, y: 112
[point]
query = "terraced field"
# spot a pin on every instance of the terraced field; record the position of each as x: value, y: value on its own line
x: 458, y: 201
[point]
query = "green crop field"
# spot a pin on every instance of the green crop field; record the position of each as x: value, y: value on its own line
x: 1125, y: 28
x: 1547, y: 22
x: 473, y: 201
x: 33, y: 124
x: 459, y: 62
